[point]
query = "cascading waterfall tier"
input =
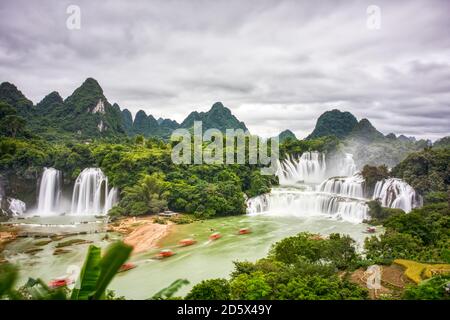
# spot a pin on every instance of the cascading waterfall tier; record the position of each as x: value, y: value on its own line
x: 352, y: 187
x: 49, y: 192
x: 396, y: 193
x: 292, y: 202
x: 91, y: 195
x: 341, y: 197
x: 309, y: 168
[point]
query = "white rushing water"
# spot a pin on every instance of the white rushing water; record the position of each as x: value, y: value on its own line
x: 309, y: 168
x: 396, y: 193
x: 50, y: 192
x: 292, y: 202
x: 347, y: 167
x: 342, y: 196
x: 91, y: 195
x: 16, y: 207
x: 352, y: 187
x: 111, y: 200
x: 311, y: 193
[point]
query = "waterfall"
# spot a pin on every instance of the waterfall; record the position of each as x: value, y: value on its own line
x: 16, y: 207
x: 346, y: 186
x: 396, y: 193
x: 311, y: 193
x: 348, y: 166
x: 111, y: 200
x: 49, y: 192
x: 309, y: 168
x: 90, y: 193
x: 291, y: 202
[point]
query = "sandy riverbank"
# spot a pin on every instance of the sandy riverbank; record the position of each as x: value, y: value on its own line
x: 5, y: 238
x: 141, y: 233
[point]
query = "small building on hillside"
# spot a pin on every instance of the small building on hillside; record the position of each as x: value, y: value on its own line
x: 167, y: 214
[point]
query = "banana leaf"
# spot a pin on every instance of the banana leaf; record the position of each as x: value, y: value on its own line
x: 169, y: 291
x: 87, y: 281
x: 116, y: 255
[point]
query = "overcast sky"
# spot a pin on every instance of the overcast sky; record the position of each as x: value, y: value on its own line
x: 276, y: 64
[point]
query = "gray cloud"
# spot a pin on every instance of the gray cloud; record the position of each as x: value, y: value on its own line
x: 277, y: 64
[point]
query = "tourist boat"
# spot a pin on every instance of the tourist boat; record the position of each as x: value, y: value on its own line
x: 58, y: 283
x: 215, y: 236
x: 187, y: 242
x: 165, y: 254
x: 127, y: 266
x: 371, y: 229
x: 244, y: 231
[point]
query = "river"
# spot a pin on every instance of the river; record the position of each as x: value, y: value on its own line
x: 204, y: 260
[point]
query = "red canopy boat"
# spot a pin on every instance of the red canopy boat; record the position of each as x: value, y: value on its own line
x: 165, y: 254
x: 244, y: 231
x: 215, y: 236
x: 371, y: 229
x: 187, y: 242
x: 58, y: 283
x: 127, y: 266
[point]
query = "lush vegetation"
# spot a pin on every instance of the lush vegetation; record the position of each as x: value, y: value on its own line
x: 296, y: 147
x: 436, y: 288
x: 308, y: 266
x: 427, y: 171
x: 303, y: 267
x: 144, y: 172
x: 421, y: 235
x: 372, y: 174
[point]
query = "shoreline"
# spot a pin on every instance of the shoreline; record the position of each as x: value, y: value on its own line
x: 142, y: 233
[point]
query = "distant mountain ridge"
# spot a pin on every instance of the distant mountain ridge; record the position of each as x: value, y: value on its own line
x: 364, y: 141
x: 87, y: 113
x: 218, y: 117
x: 286, y: 134
x: 334, y: 123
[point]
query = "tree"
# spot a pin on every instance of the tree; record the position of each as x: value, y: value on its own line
x: 12, y: 125
x: 372, y: 174
x: 250, y: 287
x: 436, y: 288
x: 214, y: 289
x: 148, y: 196
x: 6, y: 109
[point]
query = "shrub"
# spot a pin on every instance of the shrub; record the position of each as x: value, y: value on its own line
x: 436, y: 288
x: 214, y: 289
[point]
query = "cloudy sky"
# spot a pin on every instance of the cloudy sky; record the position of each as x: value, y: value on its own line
x: 276, y: 64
